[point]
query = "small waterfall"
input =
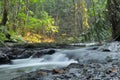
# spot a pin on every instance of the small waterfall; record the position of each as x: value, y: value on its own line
x: 20, y: 66
x: 54, y: 59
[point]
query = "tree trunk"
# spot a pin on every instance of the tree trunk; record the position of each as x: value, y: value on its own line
x: 114, y: 17
x: 5, y: 17
x: 5, y: 13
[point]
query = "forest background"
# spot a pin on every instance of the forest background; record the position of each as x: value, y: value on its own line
x: 57, y: 21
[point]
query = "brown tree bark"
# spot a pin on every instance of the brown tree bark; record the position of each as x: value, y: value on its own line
x: 5, y: 13
x: 114, y: 18
x: 5, y: 17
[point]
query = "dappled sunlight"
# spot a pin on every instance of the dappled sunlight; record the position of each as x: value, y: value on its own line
x: 37, y: 38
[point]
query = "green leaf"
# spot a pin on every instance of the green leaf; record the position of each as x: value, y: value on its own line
x: 34, y: 1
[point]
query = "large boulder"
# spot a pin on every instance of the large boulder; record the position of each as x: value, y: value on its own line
x: 4, y: 59
x: 15, y: 53
x: 35, y: 53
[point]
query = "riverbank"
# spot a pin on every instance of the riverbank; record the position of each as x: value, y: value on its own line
x: 104, y: 65
x: 88, y: 63
x: 11, y: 51
x: 78, y: 71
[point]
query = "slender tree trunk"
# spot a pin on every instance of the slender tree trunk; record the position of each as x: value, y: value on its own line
x: 75, y: 34
x: 5, y: 18
x: 95, y: 28
x: 27, y: 14
x: 114, y: 18
x: 5, y: 13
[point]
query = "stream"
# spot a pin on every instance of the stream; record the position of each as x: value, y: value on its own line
x: 61, y: 58
x: 21, y: 66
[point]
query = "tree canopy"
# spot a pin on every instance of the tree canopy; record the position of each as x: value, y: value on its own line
x: 61, y: 21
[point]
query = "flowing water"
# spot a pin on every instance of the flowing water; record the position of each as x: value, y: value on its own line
x: 21, y: 66
x: 61, y: 58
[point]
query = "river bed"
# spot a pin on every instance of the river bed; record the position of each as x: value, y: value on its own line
x: 62, y: 58
x: 21, y: 66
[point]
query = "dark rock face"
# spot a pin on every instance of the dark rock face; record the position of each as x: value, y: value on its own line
x: 6, y: 55
x: 106, y: 50
x: 40, y: 53
x: 50, y: 52
x: 4, y: 59
x: 19, y: 53
x: 14, y: 53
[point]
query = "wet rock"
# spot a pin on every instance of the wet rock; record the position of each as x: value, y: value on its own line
x: 58, y: 71
x: 89, y: 77
x: 93, y: 48
x: 19, y: 53
x: 108, y: 71
x: 106, y: 50
x: 40, y: 53
x: 75, y: 65
x: 26, y: 54
x: 50, y: 52
x: 42, y: 73
x: 4, y: 59
x: 14, y: 53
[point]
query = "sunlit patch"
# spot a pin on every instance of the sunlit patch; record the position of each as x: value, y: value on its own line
x: 34, y: 38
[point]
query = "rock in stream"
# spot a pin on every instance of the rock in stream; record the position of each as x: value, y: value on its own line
x: 6, y: 55
x: 4, y: 59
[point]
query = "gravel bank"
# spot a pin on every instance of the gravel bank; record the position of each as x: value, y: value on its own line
x: 78, y: 71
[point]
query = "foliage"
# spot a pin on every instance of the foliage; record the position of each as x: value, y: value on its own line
x: 2, y: 34
x: 36, y: 38
x: 100, y: 27
x: 56, y: 21
x: 2, y: 37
